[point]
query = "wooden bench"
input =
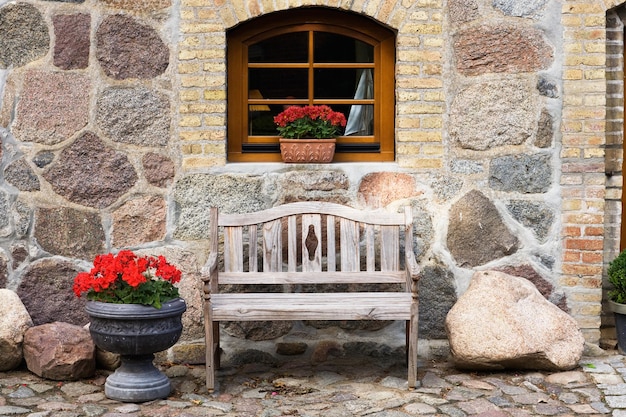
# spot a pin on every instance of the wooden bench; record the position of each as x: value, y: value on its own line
x: 289, y: 244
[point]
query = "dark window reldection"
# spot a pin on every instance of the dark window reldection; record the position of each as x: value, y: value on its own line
x: 311, y: 56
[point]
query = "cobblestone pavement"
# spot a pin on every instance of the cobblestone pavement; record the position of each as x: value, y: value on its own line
x: 339, y: 387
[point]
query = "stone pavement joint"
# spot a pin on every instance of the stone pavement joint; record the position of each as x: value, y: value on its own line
x: 355, y: 386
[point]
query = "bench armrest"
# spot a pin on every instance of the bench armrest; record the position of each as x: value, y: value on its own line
x: 209, y: 270
x: 412, y: 272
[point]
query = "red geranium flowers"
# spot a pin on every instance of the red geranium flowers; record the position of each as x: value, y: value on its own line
x: 319, y: 122
x: 126, y: 278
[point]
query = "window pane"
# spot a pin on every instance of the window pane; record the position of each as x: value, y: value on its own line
x: 360, y: 120
x: 279, y: 83
x: 287, y: 48
x: 332, y: 47
x: 344, y: 83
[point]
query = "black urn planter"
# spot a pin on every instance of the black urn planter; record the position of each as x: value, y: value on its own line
x: 136, y: 332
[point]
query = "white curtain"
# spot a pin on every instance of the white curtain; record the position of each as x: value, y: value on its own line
x: 361, y: 116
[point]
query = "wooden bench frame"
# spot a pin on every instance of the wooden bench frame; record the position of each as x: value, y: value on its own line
x: 371, y: 238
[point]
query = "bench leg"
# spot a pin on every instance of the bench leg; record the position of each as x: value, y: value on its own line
x: 412, y: 348
x: 209, y: 332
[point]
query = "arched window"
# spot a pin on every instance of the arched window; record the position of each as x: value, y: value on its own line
x: 311, y: 56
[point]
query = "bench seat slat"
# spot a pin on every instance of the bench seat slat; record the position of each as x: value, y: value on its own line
x: 311, y: 306
x: 374, y: 277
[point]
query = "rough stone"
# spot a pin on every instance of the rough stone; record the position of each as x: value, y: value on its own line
x: 128, y: 49
x: 304, y: 182
x: 4, y: 271
x: 60, y: 351
x: 21, y: 219
x: 196, y: 193
x: 24, y: 36
x: 521, y: 173
x: 437, y: 295
x: 381, y: 188
x: 258, y: 330
x: 137, y: 116
x: 519, y: 8
x: 138, y: 5
x: 503, y: 322
x: 465, y: 166
x: 501, y: 49
x: 423, y: 229
x: 158, y: 169
x: 476, y: 232
x: 503, y: 113
x: 5, y: 214
x: 545, y: 130
x: 43, y: 158
x: 90, y: 173
x: 69, y: 232
x: 14, y: 321
x: 543, y: 286
x: 46, y: 291
x: 19, y: 253
x: 548, y: 87
x: 461, y: 11
x: 72, y: 40
x: 291, y: 348
x: 21, y: 176
x: 53, y: 107
x: 138, y: 221
x: 537, y: 216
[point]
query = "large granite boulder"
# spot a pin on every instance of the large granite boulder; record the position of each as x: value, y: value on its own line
x: 60, y: 351
x: 14, y: 321
x: 503, y: 322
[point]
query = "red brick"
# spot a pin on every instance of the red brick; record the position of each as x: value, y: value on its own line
x: 584, y: 244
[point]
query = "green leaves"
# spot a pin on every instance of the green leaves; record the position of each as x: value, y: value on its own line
x: 152, y: 293
x: 617, y: 277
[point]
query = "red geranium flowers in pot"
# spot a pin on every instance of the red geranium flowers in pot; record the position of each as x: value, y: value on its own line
x: 319, y: 122
x: 127, y: 278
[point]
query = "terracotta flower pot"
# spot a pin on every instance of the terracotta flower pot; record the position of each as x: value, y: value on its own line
x: 307, y: 150
x: 136, y: 332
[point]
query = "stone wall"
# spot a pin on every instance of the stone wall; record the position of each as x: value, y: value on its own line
x: 113, y: 125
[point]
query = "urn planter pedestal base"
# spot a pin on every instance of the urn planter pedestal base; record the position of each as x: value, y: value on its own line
x: 136, y: 332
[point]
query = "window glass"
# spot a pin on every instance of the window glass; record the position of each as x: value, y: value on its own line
x: 333, y: 47
x: 279, y: 83
x: 290, y: 47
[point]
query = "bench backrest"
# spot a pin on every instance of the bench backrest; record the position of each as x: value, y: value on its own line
x: 331, y: 243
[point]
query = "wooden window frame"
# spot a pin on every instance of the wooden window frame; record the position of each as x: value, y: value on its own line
x: 311, y: 19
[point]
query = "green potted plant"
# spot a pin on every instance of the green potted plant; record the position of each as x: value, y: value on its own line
x: 308, y: 133
x: 135, y: 311
x: 617, y: 297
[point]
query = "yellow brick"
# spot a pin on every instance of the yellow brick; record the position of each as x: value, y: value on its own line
x: 597, y: 74
x: 423, y: 163
x: 207, y: 14
x: 434, y: 42
x: 215, y: 148
x: 206, y: 162
x: 570, y: 153
x: 571, y: 20
x: 408, y: 149
x: 188, y: 67
x: 189, y: 95
x: 214, y: 95
x: 433, y: 69
x: 593, y: 153
x: 186, y: 55
x: 434, y: 96
x: 572, y: 126
x: 595, y: 47
x: 433, y: 150
x: 418, y: 136
x: 419, y: 56
x: 592, y: 60
x: 432, y: 122
x: 190, y: 121
x: 191, y: 149
x: 408, y: 69
x: 200, y: 28
x: 419, y: 109
x: 215, y: 120
x: 573, y: 74
x: 188, y: 41
x: 202, y: 81
x: 218, y: 67
x: 408, y: 123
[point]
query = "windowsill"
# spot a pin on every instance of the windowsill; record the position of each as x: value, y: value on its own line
x: 352, y: 168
